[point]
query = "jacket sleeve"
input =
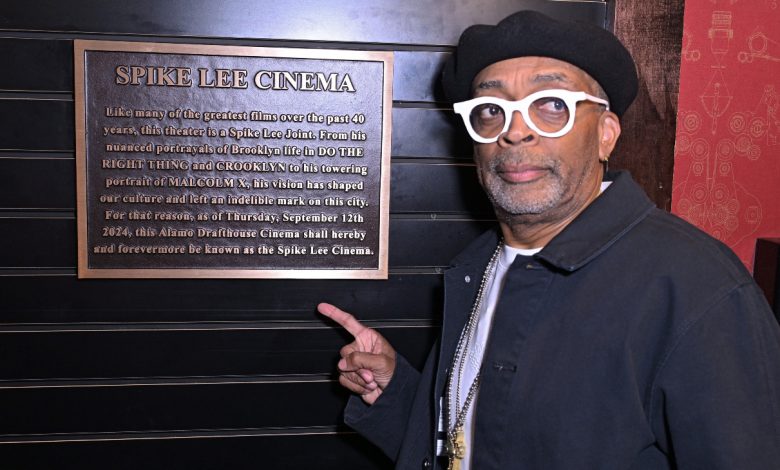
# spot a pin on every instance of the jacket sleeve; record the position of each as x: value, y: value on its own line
x: 717, y: 394
x: 384, y: 423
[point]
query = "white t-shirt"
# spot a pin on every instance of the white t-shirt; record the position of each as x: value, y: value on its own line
x: 476, y: 348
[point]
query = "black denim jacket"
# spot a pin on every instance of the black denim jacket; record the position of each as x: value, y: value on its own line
x: 631, y: 341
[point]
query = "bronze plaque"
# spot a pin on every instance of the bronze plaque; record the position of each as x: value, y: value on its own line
x: 213, y: 161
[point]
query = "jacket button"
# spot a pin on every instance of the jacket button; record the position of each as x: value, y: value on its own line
x: 426, y: 463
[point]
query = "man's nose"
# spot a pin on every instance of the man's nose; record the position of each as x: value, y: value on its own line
x: 518, y: 132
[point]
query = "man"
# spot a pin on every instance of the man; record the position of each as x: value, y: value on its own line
x: 592, y: 330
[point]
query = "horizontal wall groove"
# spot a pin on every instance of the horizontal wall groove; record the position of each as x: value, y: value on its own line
x: 71, y: 272
x: 36, y: 213
x: 23, y: 154
x: 43, y: 95
x: 208, y: 326
x: 7, y: 150
x: 442, y: 216
x: 172, y: 434
x: 222, y: 41
x: 37, y: 272
x: 428, y: 105
x: 424, y: 160
x: 164, y: 381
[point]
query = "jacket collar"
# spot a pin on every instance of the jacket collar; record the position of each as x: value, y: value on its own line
x: 619, y: 208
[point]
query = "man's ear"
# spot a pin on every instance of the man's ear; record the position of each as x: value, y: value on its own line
x: 609, y: 131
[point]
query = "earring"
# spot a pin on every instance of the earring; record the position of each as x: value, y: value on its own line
x: 605, y: 161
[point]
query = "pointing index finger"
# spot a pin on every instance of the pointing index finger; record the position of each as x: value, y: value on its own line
x: 341, y: 317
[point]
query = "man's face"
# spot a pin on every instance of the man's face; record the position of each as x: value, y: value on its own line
x: 524, y: 174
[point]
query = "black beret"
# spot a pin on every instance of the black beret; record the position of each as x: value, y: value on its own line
x: 529, y: 33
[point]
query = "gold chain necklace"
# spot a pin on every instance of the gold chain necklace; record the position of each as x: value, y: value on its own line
x: 456, y: 443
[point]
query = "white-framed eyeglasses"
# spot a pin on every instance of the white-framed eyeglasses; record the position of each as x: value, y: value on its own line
x: 550, y: 113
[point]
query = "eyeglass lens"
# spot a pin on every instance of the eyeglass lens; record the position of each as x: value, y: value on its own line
x: 548, y: 114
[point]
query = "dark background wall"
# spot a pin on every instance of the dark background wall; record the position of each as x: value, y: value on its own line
x: 239, y: 373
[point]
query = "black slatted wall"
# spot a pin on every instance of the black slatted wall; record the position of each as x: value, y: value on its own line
x: 182, y: 374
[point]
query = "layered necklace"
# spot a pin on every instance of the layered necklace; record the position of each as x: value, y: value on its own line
x: 456, y: 417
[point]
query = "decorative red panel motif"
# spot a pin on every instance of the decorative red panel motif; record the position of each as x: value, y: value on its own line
x: 727, y: 153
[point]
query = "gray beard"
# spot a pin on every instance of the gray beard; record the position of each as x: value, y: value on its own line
x: 508, y: 198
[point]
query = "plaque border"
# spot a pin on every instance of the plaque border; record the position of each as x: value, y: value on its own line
x: 81, y: 47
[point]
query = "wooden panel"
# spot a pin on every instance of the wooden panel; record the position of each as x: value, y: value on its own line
x: 38, y: 65
x: 429, y: 133
x: 261, y: 349
x: 413, y: 243
x: 416, y: 75
x: 37, y: 183
x: 169, y: 407
x: 652, y: 31
x: 438, y: 189
x: 65, y: 299
x: 313, y: 451
x: 36, y: 124
x: 436, y: 22
x: 766, y: 271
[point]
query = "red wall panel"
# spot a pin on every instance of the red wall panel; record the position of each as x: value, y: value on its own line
x: 727, y: 153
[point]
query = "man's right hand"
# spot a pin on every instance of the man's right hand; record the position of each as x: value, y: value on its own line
x: 367, y: 364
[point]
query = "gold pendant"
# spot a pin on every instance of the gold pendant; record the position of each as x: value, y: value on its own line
x: 454, y: 464
x: 456, y: 448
